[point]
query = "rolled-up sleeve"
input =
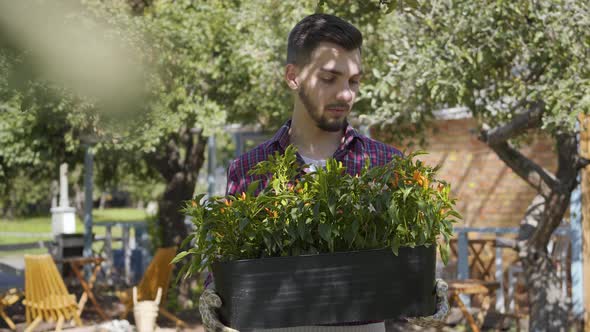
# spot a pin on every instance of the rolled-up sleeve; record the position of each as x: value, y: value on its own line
x: 235, y: 183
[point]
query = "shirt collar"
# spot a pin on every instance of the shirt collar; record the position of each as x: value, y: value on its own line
x: 281, y: 137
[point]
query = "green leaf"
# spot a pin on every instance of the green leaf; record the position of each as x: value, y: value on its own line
x: 243, y: 223
x: 302, y: 227
x: 406, y: 192
x: 183, y: 273
x: 179, y: 257
x: 252, y: 187
x: 455, y: 214
x: 355, y: 226
x: 444, y: 252
x: 332, y: 207
x: 187, y: 240
x: 395, y: 244
x: 325, y: 231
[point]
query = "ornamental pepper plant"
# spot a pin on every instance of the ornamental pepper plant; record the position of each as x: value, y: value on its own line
x: 400, y: 204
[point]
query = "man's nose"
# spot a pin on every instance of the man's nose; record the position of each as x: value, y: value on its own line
x: 345, y: 94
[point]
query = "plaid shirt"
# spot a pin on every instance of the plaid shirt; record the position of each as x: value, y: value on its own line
x: 352, y: 152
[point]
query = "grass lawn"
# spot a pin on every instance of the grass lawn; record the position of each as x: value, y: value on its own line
x: 41, y: 225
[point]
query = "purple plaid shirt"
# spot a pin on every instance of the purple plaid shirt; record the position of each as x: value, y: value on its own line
x: 352, y: 152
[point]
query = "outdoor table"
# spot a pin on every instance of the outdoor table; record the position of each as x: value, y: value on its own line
x: 77, y: 264
x: 470, y: 287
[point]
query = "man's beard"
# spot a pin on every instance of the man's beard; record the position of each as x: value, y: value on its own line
x: 321, y: 121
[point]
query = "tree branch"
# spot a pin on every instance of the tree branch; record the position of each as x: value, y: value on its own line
x: 539, y: 178
x: 524, y: 121
x: 497, y: 139
x: 567, y: 159
x: 581, y: 162
x: 557, y: 203
x: 502, y: 242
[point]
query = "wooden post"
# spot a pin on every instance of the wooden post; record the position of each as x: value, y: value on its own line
x: 577, y: 264
x: 499, y: 276
x: 463, y: 257
x: 108, y: 250
x: 126, y: 255
x: 141, y: 243
x: 211, y: 164
x: 88, y: 175
x: 463, y: 263
x: 585, y: 152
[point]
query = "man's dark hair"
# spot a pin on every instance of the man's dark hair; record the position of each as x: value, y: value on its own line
x: 317, y: 28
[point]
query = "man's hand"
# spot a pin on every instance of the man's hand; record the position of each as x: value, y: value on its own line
x: 208, y: 302
x: 442, y: 308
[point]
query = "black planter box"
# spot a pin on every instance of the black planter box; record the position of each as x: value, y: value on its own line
x: 332, y: 288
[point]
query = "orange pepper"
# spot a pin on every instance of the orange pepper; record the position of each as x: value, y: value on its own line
x: 420, y: 179
x: 271, y: 213
x: 395, y: 180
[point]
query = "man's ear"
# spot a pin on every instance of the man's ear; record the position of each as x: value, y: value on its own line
x: 291, y: 72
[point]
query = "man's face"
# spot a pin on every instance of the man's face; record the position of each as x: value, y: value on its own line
x: 329, y: 84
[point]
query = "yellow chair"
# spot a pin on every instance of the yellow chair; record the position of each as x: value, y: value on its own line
x: 9, y: 298
x: 157, y: 275
x: 46, y: 295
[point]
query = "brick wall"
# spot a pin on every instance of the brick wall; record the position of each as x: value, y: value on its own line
x: 489, y: 193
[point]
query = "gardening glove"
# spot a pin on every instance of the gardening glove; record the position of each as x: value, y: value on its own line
x: 208, y: 303
x: 442, y: 308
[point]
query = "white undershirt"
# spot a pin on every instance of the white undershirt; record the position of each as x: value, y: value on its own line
x: 314, y: 164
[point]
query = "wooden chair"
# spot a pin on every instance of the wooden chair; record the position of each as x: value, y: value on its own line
x: 7, y: 299
x: 46, y: 296
x: 157, y: 275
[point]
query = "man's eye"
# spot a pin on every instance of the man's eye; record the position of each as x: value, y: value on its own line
x: 327, y: 80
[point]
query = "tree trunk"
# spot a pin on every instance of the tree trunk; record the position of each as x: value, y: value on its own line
x: 181, y: 177
x: 170, y: 219
x: 549, y: 309
x: 548, y: 306
x: 79, y: 201
x: 103, y: 200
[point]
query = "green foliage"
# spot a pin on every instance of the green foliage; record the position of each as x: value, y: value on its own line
x: 206, y: 64
x: 127, y: 171
x: 28, y: 195
x: 324, y: 211
x: 497, y: 58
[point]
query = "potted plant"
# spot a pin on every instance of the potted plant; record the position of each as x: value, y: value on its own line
x: 324, y: 247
